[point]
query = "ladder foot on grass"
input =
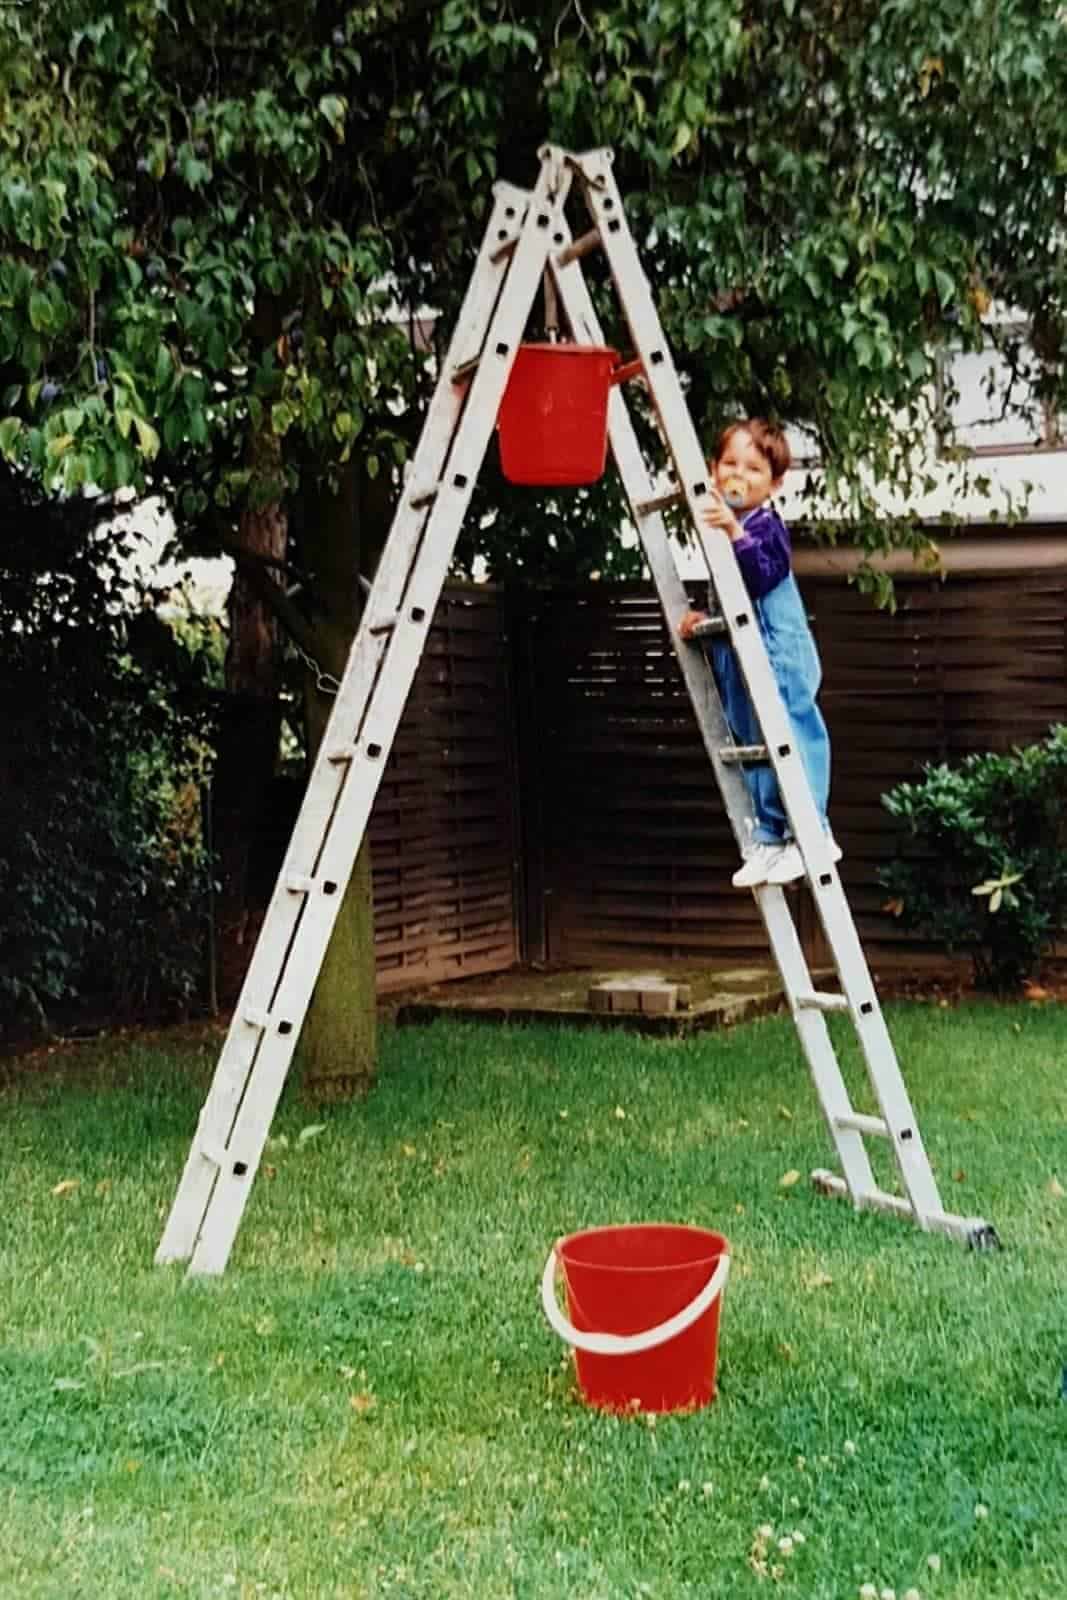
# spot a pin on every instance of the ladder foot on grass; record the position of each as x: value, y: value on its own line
x: 975, y: 1232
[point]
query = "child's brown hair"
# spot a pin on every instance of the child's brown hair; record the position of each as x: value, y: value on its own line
x: 768, y: 438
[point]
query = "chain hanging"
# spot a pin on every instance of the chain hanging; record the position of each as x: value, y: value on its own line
x: 325, y: 682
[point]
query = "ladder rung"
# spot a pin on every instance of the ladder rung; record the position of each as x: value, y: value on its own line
x: 856, y: 1122
x: 215, y: 1153
x: 503, y: 249
x: 255, y: 1018
x: 581, y: 247
x: 465, y: 370
x: 422, y: 498
x: 340, y: 757
x: 732, y: 753
x: 298, y: 883
x: 379, y: 628
x: 818, y: 1000
x: 659, y: 502
x: 712, y: 625
x: 875, y: 1199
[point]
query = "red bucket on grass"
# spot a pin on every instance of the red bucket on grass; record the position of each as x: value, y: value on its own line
x: 644, y: 1302
x: 553, y: 419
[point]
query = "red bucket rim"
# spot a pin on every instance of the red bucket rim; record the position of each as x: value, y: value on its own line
x: 716, y: 1245
x: 568, y: 347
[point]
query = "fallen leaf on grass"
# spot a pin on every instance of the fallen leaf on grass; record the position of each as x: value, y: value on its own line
x: 103, y: 1187
x: 1055, y: 1189
x: 620, y: 1113
x: 67, y: 1186
x: 787, y: 1180
x: 362, y: 1403
x: 818, y: 1280
x: 312, y: 1131
x: 785, y: 1113
x: 409, y: 1150
x: 959, y: 1177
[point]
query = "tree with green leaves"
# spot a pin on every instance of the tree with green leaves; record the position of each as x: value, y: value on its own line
x: 219, y: 226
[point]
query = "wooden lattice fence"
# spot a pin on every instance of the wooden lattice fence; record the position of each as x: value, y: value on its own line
x: 443, y: 829
x: 549, y: 796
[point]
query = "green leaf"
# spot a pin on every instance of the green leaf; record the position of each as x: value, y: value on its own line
x: 41, y: 312
x: 147, y: 437
x: 333, y: 107
x: 946, y: 285
x: 682, y: 135
x: 10, y: 430
x: 863, y: 345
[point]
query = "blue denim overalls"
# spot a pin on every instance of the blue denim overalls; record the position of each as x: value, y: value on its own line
x: 795, y: 663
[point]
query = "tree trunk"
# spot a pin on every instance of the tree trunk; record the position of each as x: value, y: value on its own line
x: 248, y: 738
x: 337, y: 1055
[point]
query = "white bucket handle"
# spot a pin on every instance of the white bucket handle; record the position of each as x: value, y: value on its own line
x: 627, y: 1344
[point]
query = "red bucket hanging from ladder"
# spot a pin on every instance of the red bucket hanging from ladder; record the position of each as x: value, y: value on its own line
x: 553, y: 419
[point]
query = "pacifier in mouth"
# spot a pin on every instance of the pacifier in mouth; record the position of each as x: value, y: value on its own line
x: 733, y: 492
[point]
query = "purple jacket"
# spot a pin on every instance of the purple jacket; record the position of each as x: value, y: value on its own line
x: 764, y: 552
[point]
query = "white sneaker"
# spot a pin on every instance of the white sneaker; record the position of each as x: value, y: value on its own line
x: 757, y: 864
x: 790, y: 864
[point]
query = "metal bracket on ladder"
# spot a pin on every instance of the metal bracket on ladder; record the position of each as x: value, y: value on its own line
x: 527, y: 232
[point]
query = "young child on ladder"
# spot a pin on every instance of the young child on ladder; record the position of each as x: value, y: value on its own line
x: 750, y: 462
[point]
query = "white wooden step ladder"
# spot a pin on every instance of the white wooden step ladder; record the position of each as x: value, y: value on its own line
x: 528, y: 236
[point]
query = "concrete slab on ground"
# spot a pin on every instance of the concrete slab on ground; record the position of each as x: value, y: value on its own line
x: 718, y: 996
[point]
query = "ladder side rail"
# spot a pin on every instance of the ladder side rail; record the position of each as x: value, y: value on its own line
x: 411, y: 520
x: 880, y: 1057
x: 711, y: 720
x: 605, y: 204
x: 816, y: 1043
x: 403, y: 651
x: 327, y: 778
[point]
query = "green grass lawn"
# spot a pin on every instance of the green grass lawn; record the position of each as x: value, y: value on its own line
x: 370, y: 1403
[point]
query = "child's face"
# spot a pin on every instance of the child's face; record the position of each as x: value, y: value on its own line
x: 743, y: 475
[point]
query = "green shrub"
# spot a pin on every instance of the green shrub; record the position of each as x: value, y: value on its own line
x: 982, y: 866
x: 103, y: 875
